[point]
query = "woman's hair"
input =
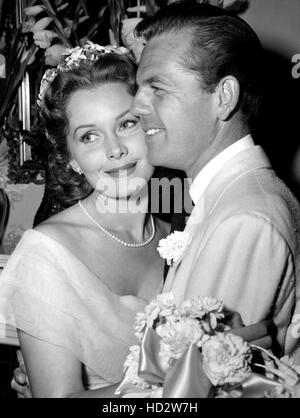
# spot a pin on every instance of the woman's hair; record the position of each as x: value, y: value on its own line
x: 68, y: 186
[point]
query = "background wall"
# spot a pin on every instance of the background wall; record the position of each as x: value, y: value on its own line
x: 277, y: 22
x: 22, y: 214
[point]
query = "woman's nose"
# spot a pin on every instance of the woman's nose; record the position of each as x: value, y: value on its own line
x: 116, y: 149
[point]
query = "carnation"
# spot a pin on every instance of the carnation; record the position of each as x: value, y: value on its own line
x: 177, y: 335
x: 162, y: 307
x: 203, y: 308
x: 173, y: 247
x: 226, y: 359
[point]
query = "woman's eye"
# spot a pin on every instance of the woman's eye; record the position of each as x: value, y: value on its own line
x: 127, y: 124
x: 90, y: 137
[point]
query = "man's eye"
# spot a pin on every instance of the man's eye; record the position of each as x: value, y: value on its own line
x: 156, y: 89
x: 127, y: 124
x: 90, y: 137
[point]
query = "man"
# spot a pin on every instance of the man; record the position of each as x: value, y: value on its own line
x: 199, y: 89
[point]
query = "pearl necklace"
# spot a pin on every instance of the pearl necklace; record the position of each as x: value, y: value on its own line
x: 124, y: 243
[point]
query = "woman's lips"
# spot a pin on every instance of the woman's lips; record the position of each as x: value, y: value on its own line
x: 125, y: 170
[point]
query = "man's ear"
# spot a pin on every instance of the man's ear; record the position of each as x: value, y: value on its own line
x: 228, y: 93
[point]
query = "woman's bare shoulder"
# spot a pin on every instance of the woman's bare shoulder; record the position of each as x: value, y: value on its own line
x: 63, y: 225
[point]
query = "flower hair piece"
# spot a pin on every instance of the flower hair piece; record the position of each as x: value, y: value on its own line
x: 72, y: 58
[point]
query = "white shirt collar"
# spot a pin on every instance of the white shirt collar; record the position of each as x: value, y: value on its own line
x: 207, y: 173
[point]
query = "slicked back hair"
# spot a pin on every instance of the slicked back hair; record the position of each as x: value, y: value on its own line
x: 221, y: 44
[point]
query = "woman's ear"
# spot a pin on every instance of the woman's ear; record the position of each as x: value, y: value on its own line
x: 228, y: 90
x: 75, y: 166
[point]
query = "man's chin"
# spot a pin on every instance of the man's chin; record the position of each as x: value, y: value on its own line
x: 155, y: 158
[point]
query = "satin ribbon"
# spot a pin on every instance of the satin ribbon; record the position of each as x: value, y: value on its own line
x: 184, y: 378
x: 152, y: 367
x: 256, y: 385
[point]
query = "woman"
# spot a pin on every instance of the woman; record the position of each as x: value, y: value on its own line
x: 74, y: 283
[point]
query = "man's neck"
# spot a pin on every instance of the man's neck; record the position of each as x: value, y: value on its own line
x: 205, y: 176
x: 220, y: 143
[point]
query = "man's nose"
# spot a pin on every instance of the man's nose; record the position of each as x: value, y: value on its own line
x: 141, y: 104
x: 116, y: 149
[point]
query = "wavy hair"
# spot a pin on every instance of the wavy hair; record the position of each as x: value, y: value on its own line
x: 68, y: 186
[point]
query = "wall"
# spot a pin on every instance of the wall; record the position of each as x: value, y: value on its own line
x: 24, y: 204
x: 277, y: 22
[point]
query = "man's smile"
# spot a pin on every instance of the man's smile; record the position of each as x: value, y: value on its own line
x: 153, y: 131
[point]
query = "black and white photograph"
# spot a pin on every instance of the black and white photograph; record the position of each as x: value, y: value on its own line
x: 149, y: 201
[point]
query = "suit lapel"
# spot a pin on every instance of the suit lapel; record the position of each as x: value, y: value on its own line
x: 251, y: 159
x: 246, y: 161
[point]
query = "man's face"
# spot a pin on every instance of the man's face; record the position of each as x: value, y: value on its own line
x: 178, y: 116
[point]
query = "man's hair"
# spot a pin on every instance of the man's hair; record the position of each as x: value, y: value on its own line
x: 67, y: 185
x: 221, y: 44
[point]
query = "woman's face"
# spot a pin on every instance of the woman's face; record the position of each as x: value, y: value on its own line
x: 106, y: 141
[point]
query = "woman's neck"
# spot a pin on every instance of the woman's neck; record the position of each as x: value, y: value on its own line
x: 126, y: 216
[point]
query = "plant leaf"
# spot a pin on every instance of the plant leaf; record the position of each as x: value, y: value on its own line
x: 117, y: 13
x: 95, y: 26
x: 14, y: 82
x: 59, y: 28
x: 151, y: 7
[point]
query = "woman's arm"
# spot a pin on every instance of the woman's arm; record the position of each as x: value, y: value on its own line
x: 55, y: 372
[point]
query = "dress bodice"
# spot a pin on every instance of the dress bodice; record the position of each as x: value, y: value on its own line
x: 49, y: 293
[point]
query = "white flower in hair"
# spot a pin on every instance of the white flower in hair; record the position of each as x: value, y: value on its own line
x: 74, y: 55
x: 72, y: 58
x: 47, y: 79
x: 173, y: 247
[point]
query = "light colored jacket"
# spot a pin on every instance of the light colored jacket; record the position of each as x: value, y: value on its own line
x: 245, y: 248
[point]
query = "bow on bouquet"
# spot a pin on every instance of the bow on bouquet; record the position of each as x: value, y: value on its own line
x: 188, y: 352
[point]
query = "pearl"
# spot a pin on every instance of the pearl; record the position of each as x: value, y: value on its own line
x: 121, y: 242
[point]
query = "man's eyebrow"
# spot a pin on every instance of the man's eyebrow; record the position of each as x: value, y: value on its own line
x: 156, y: 79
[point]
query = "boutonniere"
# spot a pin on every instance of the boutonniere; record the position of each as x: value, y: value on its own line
x: 173, y: 247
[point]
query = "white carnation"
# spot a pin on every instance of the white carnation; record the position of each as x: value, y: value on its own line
x: 173, y: 247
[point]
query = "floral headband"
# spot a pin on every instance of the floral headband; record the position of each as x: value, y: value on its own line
x: 73, y: 57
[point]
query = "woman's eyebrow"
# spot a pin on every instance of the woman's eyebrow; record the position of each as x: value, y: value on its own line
x: 123, y: 114
x: 93, y: 126
x: 83, y: 126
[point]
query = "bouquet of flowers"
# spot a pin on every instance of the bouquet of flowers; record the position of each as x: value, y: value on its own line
x: 189, y: 351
